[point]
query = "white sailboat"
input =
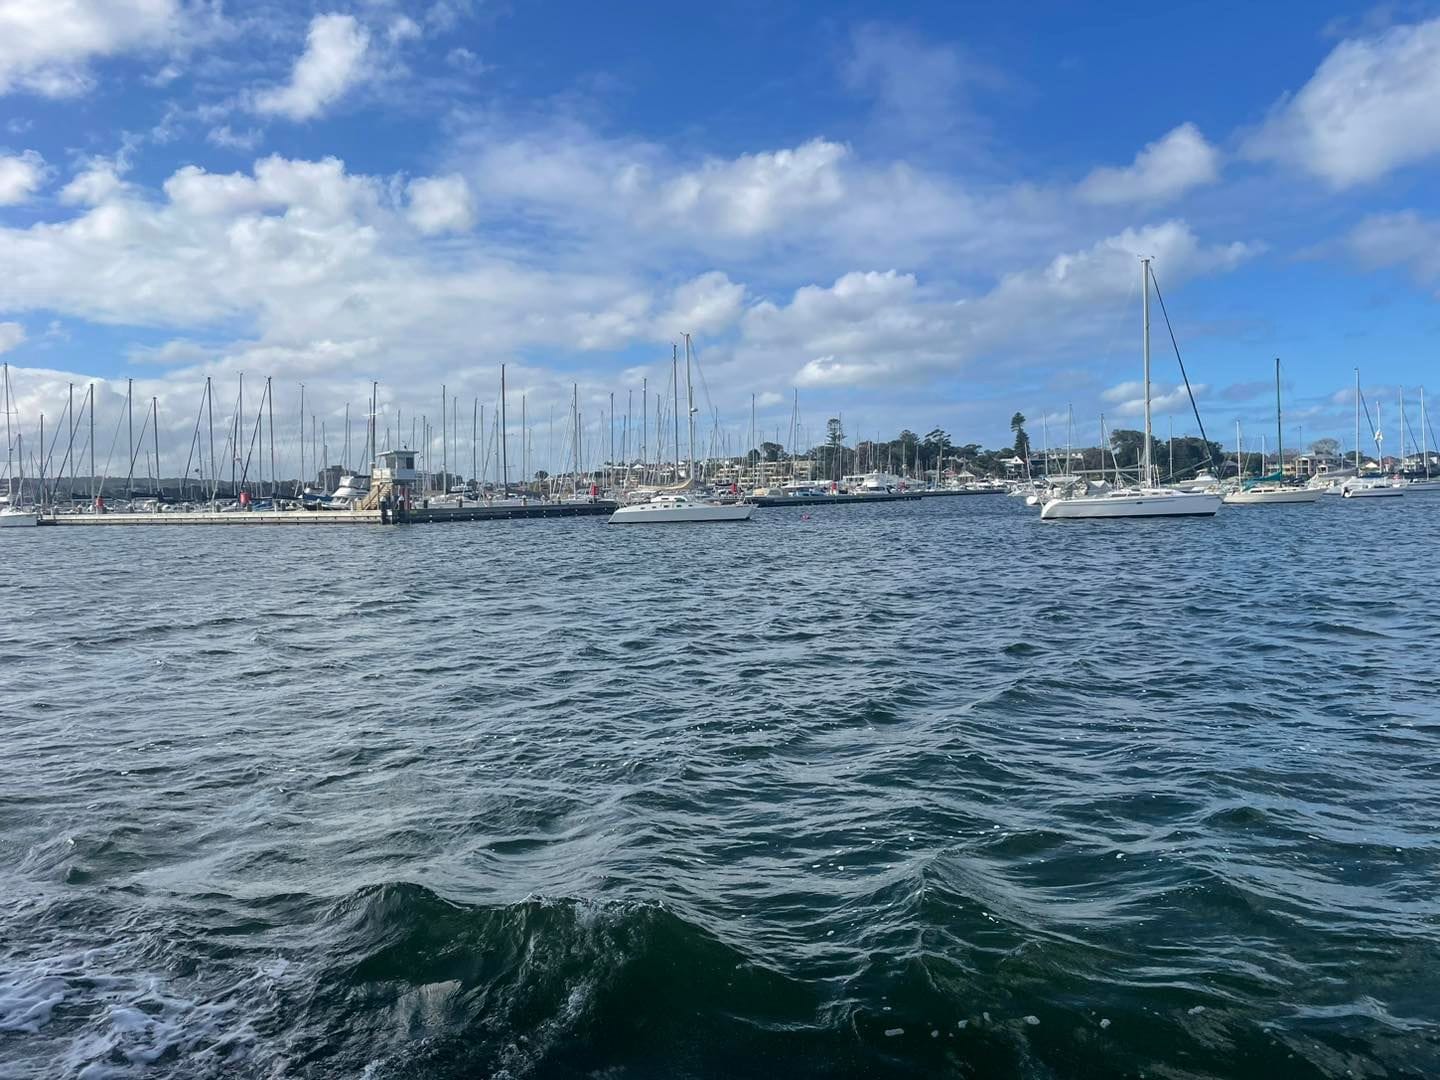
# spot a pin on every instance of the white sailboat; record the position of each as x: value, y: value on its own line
x: 11, y: 514
x: 680, y: 505
x: 1147, y: 499
x: 1378, y: 487
x: 1267, y: 493
x: 1427, y: 483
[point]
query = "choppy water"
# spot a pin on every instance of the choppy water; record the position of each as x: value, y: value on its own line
x: 903, y: 790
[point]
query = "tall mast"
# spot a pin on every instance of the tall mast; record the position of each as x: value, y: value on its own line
x: 1279, y: 428
x: 525, y: 445
x: 300, y: 480
x: 644, y: 426
x: 1145, y: 292
x: 92, y: 444
x: 210, y: 412
x: 1424, y: 443
x: 9, y: 442
x: 1357, y: 423
x: 130, y: 432
x: 690, y: 406
x: 1402, y: 431
x: 155, y: 434
x: 504, y: 461
x: 675, y: 385
x: 346, y: 462
x: 444, y: 447
x: 270, y: 413
x: 609, y: 481
x: 475, y: 443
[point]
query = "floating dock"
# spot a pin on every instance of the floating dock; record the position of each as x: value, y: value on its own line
x: 830, y: 500
x: 399, y: 516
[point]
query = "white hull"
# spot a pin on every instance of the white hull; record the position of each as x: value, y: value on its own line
x: 1276, y: 495
x: 17, y: 519
x: 1373, y: 492
x: 653, y: 514
x: 1418, y: 486
x: 1133, y: 504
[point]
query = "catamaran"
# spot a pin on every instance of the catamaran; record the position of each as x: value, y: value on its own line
x: 679, y: 503
x: 1147, y: 498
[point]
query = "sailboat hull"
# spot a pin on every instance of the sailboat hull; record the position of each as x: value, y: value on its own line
x: 1132, y: 504
x: 650, y: 514
x: 17, y: 519
x: 1377, y: 492
x: 1427, y: 487
x: 1278, y: 495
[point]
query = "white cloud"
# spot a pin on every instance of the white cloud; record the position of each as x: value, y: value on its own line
x: 1372, y: 106
x: 1401, y: 239
x: 1164, y: 169
x: 402, y: 28
x: 46, y: 46
x: 227, y: 139
x: 1128, y: 398
x: 707, y: 304
x: 20, y: 176
x: 873, y: 328
x: 333, y: 62
x: 98, y: 181
x: 440, y: 204
x: 918, y: 86
x: 12, y: 334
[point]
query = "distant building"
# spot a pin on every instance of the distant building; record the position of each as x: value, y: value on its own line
x: 328, y: 479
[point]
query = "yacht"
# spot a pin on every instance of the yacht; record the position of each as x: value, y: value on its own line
x: 352, y: 490
x: 13, y: 517
x: 1271, y: 489
x: 1147, y: 499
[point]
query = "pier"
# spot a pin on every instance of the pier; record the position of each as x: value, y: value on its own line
x: 418, y: 516
x: 831, y: 500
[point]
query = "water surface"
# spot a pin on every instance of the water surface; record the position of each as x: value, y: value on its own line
x: 898, y: 790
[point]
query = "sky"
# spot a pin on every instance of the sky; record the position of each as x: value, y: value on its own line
x: 907, y: 215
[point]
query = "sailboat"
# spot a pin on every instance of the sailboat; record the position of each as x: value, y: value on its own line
x: 680, y: 504
x: 1427, y: 483
x: 1270, y: 489
x: 1146, y: 499
x: 1360, y: 488
x: 11, y: 515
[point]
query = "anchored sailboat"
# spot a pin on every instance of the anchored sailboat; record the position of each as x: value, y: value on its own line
x: 679, y: 504
x: 1147, y: 498
x: 1270, y: 489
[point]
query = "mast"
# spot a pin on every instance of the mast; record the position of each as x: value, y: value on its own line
x: 1145, y: 292
x: 92, y: 444
x: 210, y: 412
x: 609, y: 481
x: 675, y: 385
x: 525, y: 445
x: 444, y: 449
x: 1402, y: 431
x: 755, y: 469
x: 9, y: 443
x: 300, y: 480
x: 130, y: 432
x: 690, y: 405
x: 1279, y: 428
x: 644, y: 426
x: 475, y: 444
x: 155, y: 434
x: 1357, y: 423
x: 235, y: 456
x: 1424, y: 443
x: 270, y: 412
x: 346, y: 462
x: 504, y: 461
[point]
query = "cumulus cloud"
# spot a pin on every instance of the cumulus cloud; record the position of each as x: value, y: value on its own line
x: 870, y: 328
x: 1401, y: 239
x: 1128, y: 398
x: 93, y: 184
x: 11, y: 335
x: 1164, y: 169
x: 1372, y: 106
x: 333, y: 62
x: 440, y: 204
x: 46, y: 46
x: 20, y: 176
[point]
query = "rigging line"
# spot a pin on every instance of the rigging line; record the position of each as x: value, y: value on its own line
x: 1176, y: 345
x: 1366, y: 406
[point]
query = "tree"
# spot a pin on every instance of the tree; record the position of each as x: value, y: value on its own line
x: 541, y: 474
x: 771, y: 450
x: 1325, y: 447
x: 1022, y: 441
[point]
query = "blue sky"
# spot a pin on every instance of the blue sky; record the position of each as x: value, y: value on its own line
x: 917, y: 215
